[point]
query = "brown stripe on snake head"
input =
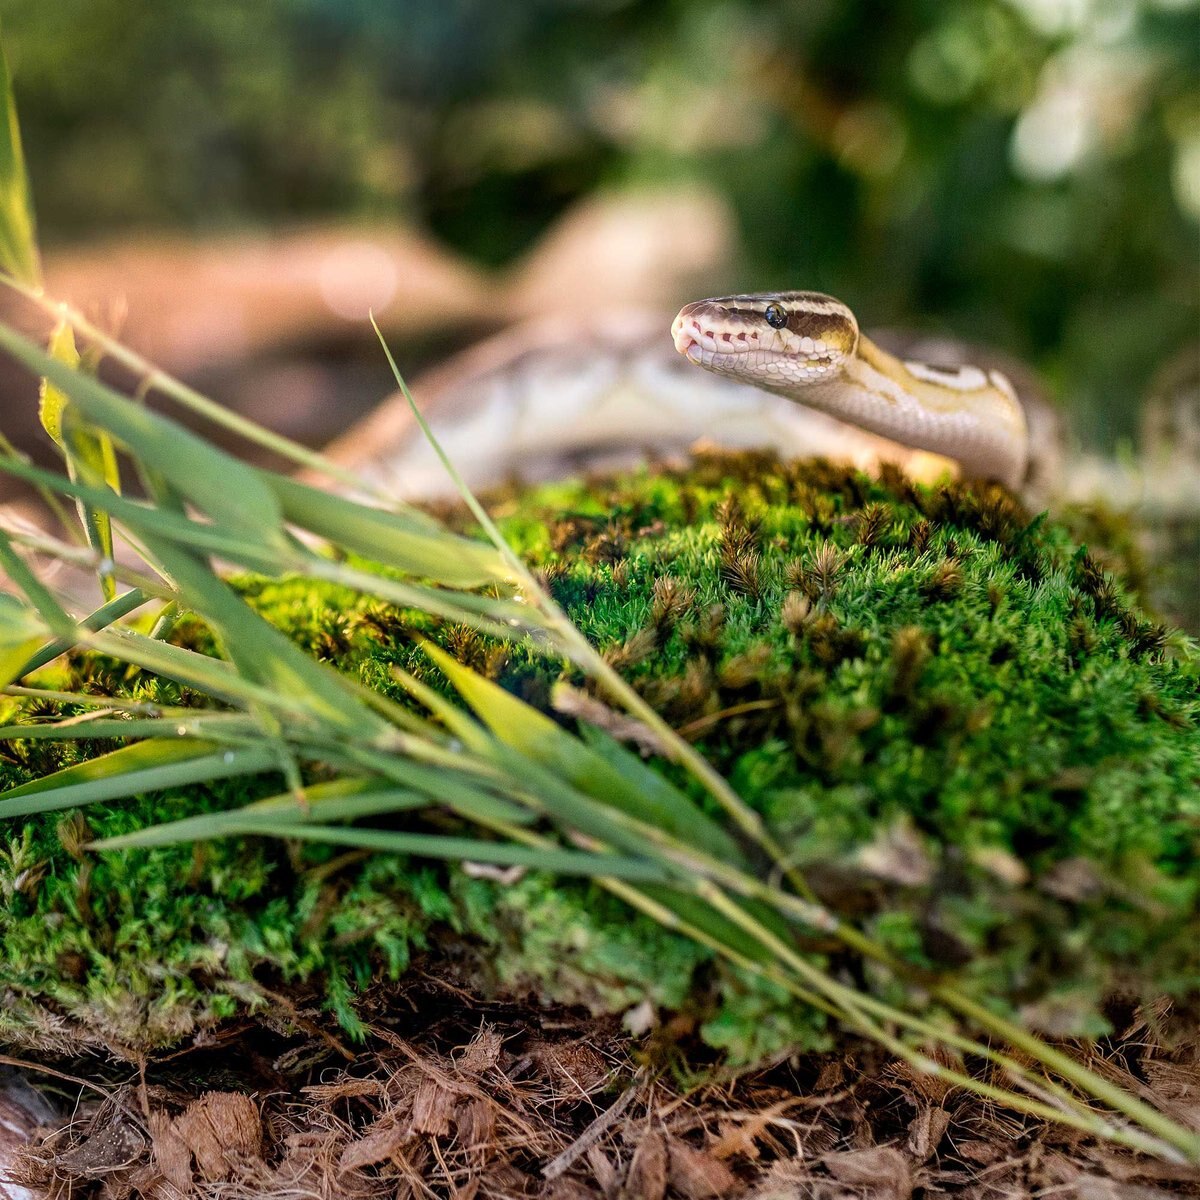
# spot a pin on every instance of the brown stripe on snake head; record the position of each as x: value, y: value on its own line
x: 808, y: 315
x: 822, y: 318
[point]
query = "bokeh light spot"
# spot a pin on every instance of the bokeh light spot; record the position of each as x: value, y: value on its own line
x: 1185, y: 175
x: 356, y: 278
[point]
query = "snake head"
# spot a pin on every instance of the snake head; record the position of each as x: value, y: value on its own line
x: 776, y: 340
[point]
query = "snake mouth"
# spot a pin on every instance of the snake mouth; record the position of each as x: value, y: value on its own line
x: 762, y: 358
x: 694, y: 337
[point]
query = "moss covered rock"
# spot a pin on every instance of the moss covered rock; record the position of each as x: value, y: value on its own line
x: 970, y: 740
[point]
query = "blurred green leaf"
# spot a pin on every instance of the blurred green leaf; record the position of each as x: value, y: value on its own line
x: 18, y: 230
x: 460, y: 723
x: 145, y: 517
x: 388, y: 538
x: 144, y: 767
x: 500, y: 618
x: 56, y: 618
x: 454, y: 781
x: 87, y: 454
x: 52, y: 402
x: 237, y: 728
x: 230, y: 492
x: 104, y: 616
x: 22, y: 631
x: 213, y: 676
x: 93, y: 456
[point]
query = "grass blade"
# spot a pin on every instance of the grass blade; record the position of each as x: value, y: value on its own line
x: 260, y: 651
x: 388, y: 538
x: 87, y: 454
x: 427, y: 845
x: 21, y: 632
x: 341, y: 799
x: 499, y: 618
x: 230, y: 492
x: 57, y: 620
x: 18, y: 233
x: 145, y: 767
x: 540, y: 739
x: 105, y: 615
x: 221, y: 727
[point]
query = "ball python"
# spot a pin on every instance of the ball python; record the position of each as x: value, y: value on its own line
x: 807, y: 347
x: 552, y: 397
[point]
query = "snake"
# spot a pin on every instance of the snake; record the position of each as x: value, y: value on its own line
x: 807, y: 347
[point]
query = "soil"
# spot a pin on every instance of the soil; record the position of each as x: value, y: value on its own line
x: 455, y: 1097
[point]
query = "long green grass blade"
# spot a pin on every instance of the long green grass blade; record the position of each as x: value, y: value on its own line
x: 153, y: 378
x: 57, y: 620
x: 499, y: 618
x: 144, y: 767
x: 92, y: 455
x: 21, y: 632
x: 222, y: 727
x: 105, y: 615
x: 537, y: 737
x: 87, y: 454
x: 640, y: 779
x: 230, y: 492
x: 260, y: 651
x: 575, y: 810
x: 449, y: 787
x: 142, y: 518
x: 388, y: 538
x: 344, y: 799
x: 425, y: 845
x: 460, y: 723
x: 18, y: 234
x: 521, y: 776
x: 340, y: 800
x: 212, y: 676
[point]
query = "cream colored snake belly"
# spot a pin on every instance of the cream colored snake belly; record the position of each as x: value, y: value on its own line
x: 807, y: 347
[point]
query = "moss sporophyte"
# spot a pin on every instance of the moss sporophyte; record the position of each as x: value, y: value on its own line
x: 964, y: 733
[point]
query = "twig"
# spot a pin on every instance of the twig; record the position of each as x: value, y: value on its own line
x: 561, y: 1163
x: 25, y: 1065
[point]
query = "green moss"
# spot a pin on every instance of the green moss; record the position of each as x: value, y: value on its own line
x: 969, y: 738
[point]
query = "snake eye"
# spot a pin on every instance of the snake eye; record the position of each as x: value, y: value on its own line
x: 775, y: 315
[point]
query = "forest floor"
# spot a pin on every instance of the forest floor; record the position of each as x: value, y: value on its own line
x: 458, y: 1097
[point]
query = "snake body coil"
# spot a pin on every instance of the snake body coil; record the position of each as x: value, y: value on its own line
x: 807, y: 347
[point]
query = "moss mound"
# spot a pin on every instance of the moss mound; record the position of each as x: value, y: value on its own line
x: 970, y: 739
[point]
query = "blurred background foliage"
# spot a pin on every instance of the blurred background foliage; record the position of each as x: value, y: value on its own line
x: 1021, y: 172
